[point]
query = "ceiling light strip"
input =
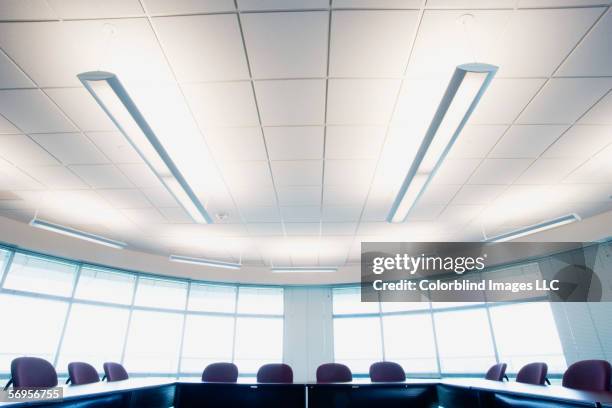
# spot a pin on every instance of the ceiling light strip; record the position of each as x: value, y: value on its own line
x: 532, y: 229
x: 72, y: 232
x: 203, y: 261
x: 110, y: 94
x: 291, y: 269
x: 463, y: 93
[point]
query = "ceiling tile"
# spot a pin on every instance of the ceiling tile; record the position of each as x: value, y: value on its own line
x: 476, y: 141
x: 126, y: 198
x: 257, y: 5
x: 176, y: 215
x: 303, y: 228
x: 144, y: 216
x: 55, y: 177
x: 425, y: 212
x: 301, y: 214
x: 159, y: 196
x: 526, y: 141
x: 188, y: 6
x: 222, y: 104
x: 298, y: 172
x: 600, y: 114
x: 258, y: 214
x: 354, y: 142
x: 371, y: 43
x: 7, y: 127
x: 535, y: 42
x: 439, y: 193
x: 473, y: 194
x: 70, y: 148
x: 460, y: 214
x: 343, y: 172
x: 11, y: 178
x: 345, y: 195
x: 115, y: 146
x: 254, y: 174
x: 254, y: 195
x: 140, y: 175
x: 32, y: 111
x: 596, y: 170
x: 581, y: 142
x: 378, y: 4
x: 470, y: 4
x: 299, y: 195
x: 499, y: 171
x: 417, y: 103
x: 70, y: 9
x: 236, y: 143
x: 10, y: 75
x: 291, y: 102
x: 564, y: 100
x: 81, y: 108
x: 102, y: 176
x: 338, y: 228
x: 26, y: 10
x: 559, y: 3
x: 505, y: 99
x: 332, y: 213
x: 219, y: 54
x: 294, y: 142
x: 20, y: 150
x: 361, y: 101
x: 455, y: 171
x: 286, y: 45
x: 549, y: 171
x: 267, y: 228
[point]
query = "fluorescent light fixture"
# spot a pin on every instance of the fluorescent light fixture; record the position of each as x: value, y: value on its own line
x: 300, y: 269
x: 463, y: 93
x: 532, y: 229
x: 72, y: 232
x: 206, y: 262
x: 110, y: 94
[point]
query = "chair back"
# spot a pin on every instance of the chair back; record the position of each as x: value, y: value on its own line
x: 497, y: 372
x: 588, y: 375
x: 275, y: 373
x: 32, y: 372
x: 334, y: 372
x: 220, y: 372
x: 533, y: 373
x: 387, y: 371
x: 80, y: 373
x: 114, y: 372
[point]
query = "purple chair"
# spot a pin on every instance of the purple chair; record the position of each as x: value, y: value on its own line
x: 497, y: 372
x: 114, y: 372
x: 80, y: 373
x: 333, y: 373
x: 32, y: 372
x: 220, y: 372
x: 275, y: 373
x: 387, y: 371
x: 588, y: 375
x: 533, y: 373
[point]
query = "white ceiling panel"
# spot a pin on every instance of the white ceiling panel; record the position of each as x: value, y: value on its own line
x: 254, y: 195
x: 371, y: 43
x: 33, y: 112
x: 535, y: 42
x: 81, y: 108
x: 219, y: 54
x: 291, y: 102
x: 236, y: 143
x: 299, y: 195
x: 560, y: 3
x: 21, y: 150
x: 126, y: 198
x: 56, y: 177
x: 303, y: 228
x: 354, y: 142
x: 286, y: 45
x: 504, y: 100
x: 188, y: 6
x: 7, y: 127
x: 417, y: 103
x: 343, y: 172
x: 596, y: 170
x: 102, y: 176
x: 341, y: 213
x: 455, y: 171
x: 26, y: 10
x: 222, y: 104
x: 476, y: 141
x: 600, y: 114
x: 473, y: 194
x: 301, y: 214
x: 69, y: 9
x: 265, y: 229
x: 549, y: 171
x: 523, y: 141
x: 140, y: 175
x: 115, y: 146
x: 298, y: 172
x: 460, y: 214
x: 260, y: 5
x: 593, y: 56
x: 378, y: 4
x: 11, y: 76
x: 260, y: 214
x: 361, y: 101
x: 294, y: 142
x: 176, y: 215
x: 247, y: 174
x: 499, y: 171
x: 439, y: 193
x: 159, y: 197
x: 581, y: 142
x: 425, y: 212
x: 349, y: 194
x: 144, y: 216
x: 338, y: 228
x: 470, y: 4
x: 564, y: 100
x: 11, y: 178
x: 70, y: 148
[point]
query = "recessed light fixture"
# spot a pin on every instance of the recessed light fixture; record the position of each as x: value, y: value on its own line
x: 110, y: 94
x: 72, y: 232
x: 300, y: 269
x: 532, y: 229
x: 463, y: 93
x: 205, y: 262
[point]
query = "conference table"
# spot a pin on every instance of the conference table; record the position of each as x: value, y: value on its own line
x: 419, y: 393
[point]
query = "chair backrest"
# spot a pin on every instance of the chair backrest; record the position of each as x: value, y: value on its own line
x: 333, y: 372
x: 387, y: 371
x: 533, y: 373
x: 220, y: 372
x: 114, y: 372
x: 497, y: 372
x: 588, y: 375
x: 275, y: 373
x: 32, y: 372
x: 80, y: 373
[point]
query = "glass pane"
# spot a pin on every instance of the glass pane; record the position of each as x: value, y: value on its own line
x: 161, y: 293
x: 409, y: 341
x: 32, y: 327
x: 464, y: 341
x: 260, y: 301
x: 94, y: 334
x: 40, y: 275
x: 3, y: 259
x: 208, y: 339
x: 348, y: 301
x: 357, y: 342
x: 212, y: 298
x: 403, y: 306
x: 258, y: 341
x: 105, y: 286
x: 537, y: 339
x: 153, y: 342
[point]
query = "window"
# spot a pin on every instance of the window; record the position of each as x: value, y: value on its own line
x: 212, y: 298
x: 161, y: 293
x: 264, y: 301
x: 357, y: 342
x: 258, y: 341
x: 409, y: 341
x: 3, y: 258
x: 105, y: 286
x: 348, y: 301
x: 207, y: 339
x: 40, y: 275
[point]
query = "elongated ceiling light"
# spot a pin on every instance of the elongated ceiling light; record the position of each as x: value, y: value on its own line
x: 532, y: 229
x: 463, y: 93
x: 292, y: 269
x: 72, y: 232
x: 110, y: 94
x: 206, y: 262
